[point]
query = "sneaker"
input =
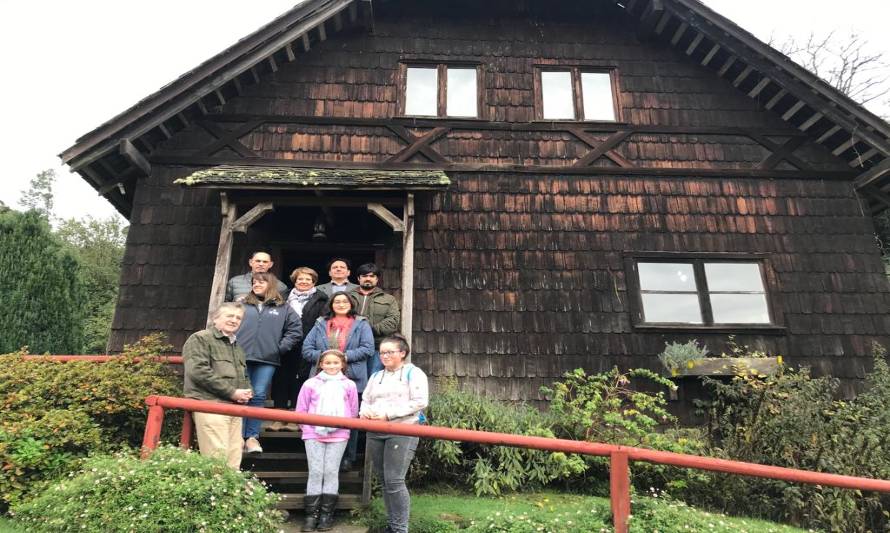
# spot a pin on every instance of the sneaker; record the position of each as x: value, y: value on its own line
x: 252, y: 445
x: 276, y: 425
x: 291, y: 426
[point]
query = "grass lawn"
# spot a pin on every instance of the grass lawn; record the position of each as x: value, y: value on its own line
x: 8, y: 526
x: 559, y: 513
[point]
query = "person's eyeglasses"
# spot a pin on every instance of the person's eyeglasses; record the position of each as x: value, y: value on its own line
x: 387, y: 354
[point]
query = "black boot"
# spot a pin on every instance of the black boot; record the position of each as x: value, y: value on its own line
x: 311, y: 506
x: 326, y: 517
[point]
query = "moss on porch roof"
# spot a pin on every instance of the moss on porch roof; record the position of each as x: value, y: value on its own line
x: 230, y: 176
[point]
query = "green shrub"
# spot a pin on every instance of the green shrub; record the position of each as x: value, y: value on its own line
x: 36, y: 448
x: 488, y: 470
x: 172, y: 491
x: 56, y: 413
x: 112, y: 394
x: 795, y: 420
x: 676, y: 356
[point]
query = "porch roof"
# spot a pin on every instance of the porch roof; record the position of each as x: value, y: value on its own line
x: 296, y: 178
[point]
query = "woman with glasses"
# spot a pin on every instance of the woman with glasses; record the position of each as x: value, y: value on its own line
x: 398, y: 393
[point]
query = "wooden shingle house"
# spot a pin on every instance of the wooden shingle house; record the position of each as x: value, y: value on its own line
x: 548, y: 185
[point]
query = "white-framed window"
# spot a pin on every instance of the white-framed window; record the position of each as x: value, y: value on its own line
x: 441, y: 90
x: 701, y: 292
x: 576, y: 93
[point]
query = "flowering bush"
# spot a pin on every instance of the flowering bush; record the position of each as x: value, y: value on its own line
x: 172, y: 491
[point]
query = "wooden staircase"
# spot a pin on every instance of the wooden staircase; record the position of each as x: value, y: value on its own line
x: 283, y: 467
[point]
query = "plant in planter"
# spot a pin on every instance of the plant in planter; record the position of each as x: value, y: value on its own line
x: 691, y: 360
x: 676, y: 356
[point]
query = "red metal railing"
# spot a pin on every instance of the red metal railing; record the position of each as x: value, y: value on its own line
x: 619, y: 456
x: 171, y: 359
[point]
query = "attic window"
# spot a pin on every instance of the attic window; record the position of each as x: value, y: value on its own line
x: 577, y: 94
x: 441, y: 91
x: 702, y: 292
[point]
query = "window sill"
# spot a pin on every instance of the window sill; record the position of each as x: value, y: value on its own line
x: 766, y: 329
x: 581, y: 122
x: 432, y: 117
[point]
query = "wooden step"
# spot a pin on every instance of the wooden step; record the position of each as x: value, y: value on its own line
x: 295, y: 501
x: 352, y: 475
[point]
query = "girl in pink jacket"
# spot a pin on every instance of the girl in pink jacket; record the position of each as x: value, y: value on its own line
x: 328, y: 393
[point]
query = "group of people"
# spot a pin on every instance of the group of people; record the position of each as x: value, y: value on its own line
x: 330, y: 349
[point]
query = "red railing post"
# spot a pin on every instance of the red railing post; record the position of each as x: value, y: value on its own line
x: 185, y: 440
x: 619, y: 490
x: 153, y: 425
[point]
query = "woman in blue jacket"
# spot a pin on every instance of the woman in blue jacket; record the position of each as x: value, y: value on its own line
x: 269, y: 330
x: 341, y: 329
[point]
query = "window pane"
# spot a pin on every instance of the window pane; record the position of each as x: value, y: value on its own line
x: 677, y: 308
x: 739, y: 308
x: 596, y: 89
x: 422, y: 88
x: 666, y: 277
x: 734, y: 277
x: 462, y: 95
x: 556, y: 89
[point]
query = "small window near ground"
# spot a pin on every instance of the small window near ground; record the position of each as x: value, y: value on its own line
x: 441, y: 91
x: 702, y: 292
x: 577, y: 94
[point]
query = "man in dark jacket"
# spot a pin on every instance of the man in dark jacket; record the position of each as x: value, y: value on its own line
x: 381, y: 309
x: 338, y: 270
x: 215, y: 370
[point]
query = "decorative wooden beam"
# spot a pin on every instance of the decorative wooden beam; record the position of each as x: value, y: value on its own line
x: 761, y: 85
x: 249, y: 218
x: 134, y: 157
x: 223, y: 256
x: 202, y: 107
x: 255, y: 75
x: 810, y: 121
x: 605, y: 148
x: 418, y: 144
x: 662, y: 23
x: 408, y: 269
x: 306, y: 43
x: 273, y: 65
x: 775, y: 99
x: 164, y: 131
x: 338, y: 22
x: 220, y: 97
x: 863, y: 157
x: 289, y: 50
x: 110, y: 186
x: 710, y: 55
x: 730, y: 61
x: 322, y: 33
x: 828, y: 134
x: 743, y: 75
x: 228, y: 138
x: 651, y: 15
x: 781, y: 153
x: 678, y: 34
x: 387, y: 216
x: 872, y: 175
x: 694, y: 44
x: 236, y: 83
x: 846, y: 145
x: 793, y: 110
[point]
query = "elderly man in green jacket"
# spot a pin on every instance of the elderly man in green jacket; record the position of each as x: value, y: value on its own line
x: 215, y: 370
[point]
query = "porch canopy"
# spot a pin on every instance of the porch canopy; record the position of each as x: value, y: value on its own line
x: 316, y: 180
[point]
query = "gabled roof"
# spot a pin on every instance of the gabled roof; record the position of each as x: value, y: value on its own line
x: 113, y: 156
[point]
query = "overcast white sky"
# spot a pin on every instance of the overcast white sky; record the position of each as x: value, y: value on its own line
x: 71, y: 65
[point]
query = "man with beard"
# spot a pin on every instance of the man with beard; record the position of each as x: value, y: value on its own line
x: 381, y: 309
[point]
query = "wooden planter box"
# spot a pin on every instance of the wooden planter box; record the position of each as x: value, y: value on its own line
x: 729, y: 366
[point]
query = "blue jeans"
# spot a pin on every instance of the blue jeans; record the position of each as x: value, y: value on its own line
x: 260, y: 376
x: 391, y: 456
x: 374, y: 363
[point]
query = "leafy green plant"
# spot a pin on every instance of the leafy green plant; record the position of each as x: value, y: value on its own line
x: 56, y: 413
x: 39, y: 447
x: 795, y: 420
x: 676, y: 355
x: 172, y: 491
x: 489, y: 470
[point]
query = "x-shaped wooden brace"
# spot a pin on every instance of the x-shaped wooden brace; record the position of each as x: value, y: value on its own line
x: 780, y: 153
x: 417, y: 144
x: 600, y: 149
x: 229, y: 138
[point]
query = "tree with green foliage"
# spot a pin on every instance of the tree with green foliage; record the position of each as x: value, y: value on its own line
x: 99, y: 246
x: 39, y: 195
x: 41, y: 287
